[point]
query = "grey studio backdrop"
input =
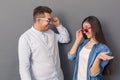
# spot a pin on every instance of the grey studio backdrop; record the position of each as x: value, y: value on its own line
x: 16, y: 18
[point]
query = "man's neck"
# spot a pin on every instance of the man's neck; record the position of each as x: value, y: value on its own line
x: 37, y: 27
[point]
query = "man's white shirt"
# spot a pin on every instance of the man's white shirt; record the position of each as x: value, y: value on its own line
x: 39, y: 54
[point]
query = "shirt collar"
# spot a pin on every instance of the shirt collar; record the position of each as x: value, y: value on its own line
x: 36, y: 31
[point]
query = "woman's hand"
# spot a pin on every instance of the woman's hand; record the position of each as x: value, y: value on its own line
x: 104, y: 56
x: 96, y: 65
x: 79, y: 35
x: 77, y: 41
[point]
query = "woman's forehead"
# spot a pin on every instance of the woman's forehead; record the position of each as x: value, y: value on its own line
x: 86, y: 24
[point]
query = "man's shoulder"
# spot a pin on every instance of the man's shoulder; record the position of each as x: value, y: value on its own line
x: 50, y: 32
x: 25, y: 34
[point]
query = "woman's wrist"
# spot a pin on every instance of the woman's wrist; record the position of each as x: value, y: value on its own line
x: 98, y: 58
x: 77, y: 42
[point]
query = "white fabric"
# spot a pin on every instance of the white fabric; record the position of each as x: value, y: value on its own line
x: 83, y: 61
x: 39, y: 54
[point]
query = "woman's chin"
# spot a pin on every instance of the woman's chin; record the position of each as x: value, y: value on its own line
x: 88, y: 37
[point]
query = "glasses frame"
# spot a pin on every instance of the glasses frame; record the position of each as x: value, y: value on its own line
x: 85, y: 30
x: 49, y: 20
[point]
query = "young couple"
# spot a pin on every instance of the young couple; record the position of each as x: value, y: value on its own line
x: 39, y: 55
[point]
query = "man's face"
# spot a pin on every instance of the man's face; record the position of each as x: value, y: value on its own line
x: 45, y: 21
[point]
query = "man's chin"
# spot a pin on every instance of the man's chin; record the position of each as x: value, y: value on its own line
x: 45, y: 29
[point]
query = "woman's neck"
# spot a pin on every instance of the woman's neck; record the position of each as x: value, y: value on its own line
x: 93, y: 40
x: 90, y: 44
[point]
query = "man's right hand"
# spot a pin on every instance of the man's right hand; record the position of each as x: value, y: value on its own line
x: 56, y: 21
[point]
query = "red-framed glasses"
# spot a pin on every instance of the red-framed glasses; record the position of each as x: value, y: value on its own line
x: 85, y: 30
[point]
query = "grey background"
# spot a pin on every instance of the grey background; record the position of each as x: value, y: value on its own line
x: 16, y: 17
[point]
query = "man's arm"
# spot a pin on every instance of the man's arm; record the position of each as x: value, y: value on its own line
x: 24, y: 56
x: 63, y: 36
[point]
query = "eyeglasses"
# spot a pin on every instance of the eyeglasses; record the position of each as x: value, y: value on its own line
x: 85, y: 30
x: 49, y: 20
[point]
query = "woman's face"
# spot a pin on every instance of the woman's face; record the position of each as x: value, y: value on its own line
x: 87, y: 30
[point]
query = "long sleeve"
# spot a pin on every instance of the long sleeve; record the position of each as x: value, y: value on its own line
x: 24, y: 59
x: 63, y: 36
x: 74, y: 55
x: 103, y: 63
x: 71, y: 56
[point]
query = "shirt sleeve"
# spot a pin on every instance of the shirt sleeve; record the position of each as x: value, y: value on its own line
x: 24, y: 59
x: 103, y: 63
x: 71, y: 56
x: 74, y: 55
x: 63, y: 36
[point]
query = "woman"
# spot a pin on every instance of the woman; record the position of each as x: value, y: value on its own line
x: 92, y: 54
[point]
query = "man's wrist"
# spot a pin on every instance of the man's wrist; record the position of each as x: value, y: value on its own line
x: 58, y: 25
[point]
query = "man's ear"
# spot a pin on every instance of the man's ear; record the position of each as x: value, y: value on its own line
x: 38, y: 21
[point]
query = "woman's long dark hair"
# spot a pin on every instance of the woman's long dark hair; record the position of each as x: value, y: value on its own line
x: 97, y: 32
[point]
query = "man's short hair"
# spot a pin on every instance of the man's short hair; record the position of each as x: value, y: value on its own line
x: 40, y: 10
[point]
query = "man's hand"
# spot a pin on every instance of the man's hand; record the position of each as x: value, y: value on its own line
x: 56, y: 21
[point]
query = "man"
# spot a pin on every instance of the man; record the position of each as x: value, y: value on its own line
x: 38, y: 48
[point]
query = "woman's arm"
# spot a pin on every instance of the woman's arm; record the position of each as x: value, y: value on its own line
x: 77, y: 42
x: 96, y: 65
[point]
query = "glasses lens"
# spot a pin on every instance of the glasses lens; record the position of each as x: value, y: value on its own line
x: 86, y: 30
x: 49, y: 20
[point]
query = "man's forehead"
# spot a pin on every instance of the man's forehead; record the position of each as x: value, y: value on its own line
x: 47, y: 15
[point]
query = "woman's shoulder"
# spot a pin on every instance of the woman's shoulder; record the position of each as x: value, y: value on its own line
x: 103, y: 47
